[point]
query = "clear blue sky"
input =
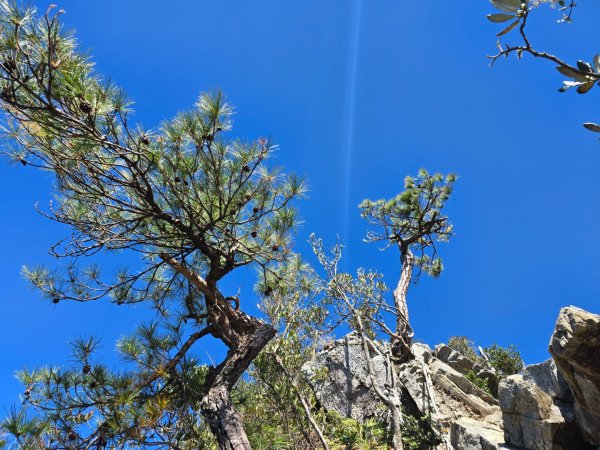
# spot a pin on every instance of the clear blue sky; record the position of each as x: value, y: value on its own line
x: 396, y: 85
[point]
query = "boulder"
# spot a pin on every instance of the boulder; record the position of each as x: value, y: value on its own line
x: 453, y: 395
x: 454, y: 359
x: 546, y: 376
x: 346, y: 387
x: 575, y: 348
x: 533, y: 420
x: 464, y: 365
x: 470, y: 434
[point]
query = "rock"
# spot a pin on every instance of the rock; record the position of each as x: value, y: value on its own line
x: 454, y: 359
x: 347, y: 387
x: 454, y: 396
x: 548, y: 379
x: 525, y: 398
x: 470, y: 434
x: 575, y: 347
x: 533, y: 420
x: 464, y: 365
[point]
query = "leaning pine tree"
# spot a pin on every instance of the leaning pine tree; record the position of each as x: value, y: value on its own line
x: 192, y: 204
x: 413, y: 221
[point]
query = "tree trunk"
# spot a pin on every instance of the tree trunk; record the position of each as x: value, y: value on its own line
x: 402, y: 341
x: 245, y: 336
x: 223, y: 420
x: 397, y: 430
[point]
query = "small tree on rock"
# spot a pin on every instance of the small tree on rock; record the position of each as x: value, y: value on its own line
x: 414, y: 222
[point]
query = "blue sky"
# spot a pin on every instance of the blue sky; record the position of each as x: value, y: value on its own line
x: 358, y: 96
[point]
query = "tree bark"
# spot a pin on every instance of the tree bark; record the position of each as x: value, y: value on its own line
x: 245, y: 336
x: 223, y: 420
x: 404, y: 333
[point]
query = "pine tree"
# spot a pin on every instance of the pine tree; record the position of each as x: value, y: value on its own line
x: 414, y: 222
x: 192, y: 203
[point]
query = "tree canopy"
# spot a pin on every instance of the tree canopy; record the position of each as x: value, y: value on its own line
x: 194, y: 204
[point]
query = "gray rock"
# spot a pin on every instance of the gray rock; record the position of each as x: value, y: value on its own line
x: 347, y: 386
x: 464, y: 365
x: 470, y: 434
x: 454, y: 359
x: 454, y: 395
x: 549, y: 380
x: 533, y: 420
x: 523, y: 397
x: 575, y: 347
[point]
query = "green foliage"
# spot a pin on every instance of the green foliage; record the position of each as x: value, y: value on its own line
x: 417, y: 433
x: 88, y: 402
x: 506, y: 360
x: 414, y: 220
x: 350, y: 434
x: 464, y: 346
x: 184, y: 189
x: 193, y: 203
x: 583, y: 75
x: 273, y: 419
x: 481, y: 383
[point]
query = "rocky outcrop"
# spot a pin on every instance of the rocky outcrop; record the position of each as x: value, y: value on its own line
x: 453, y: 395
x: 431, y: 388
x: 575, y: 347
x: 464, y: 365
x: 534, y: 420
x: 546, y: 376
x: 554, y: 405
x: 454, y: 359
x: 341, y: 378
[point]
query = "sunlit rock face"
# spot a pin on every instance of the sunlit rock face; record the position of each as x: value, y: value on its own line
x: 575, y: 348
x: 534, y: 420
x: 341, y: 380
x: 549, y: 379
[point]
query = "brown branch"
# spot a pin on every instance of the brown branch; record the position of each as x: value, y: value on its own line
x: 178, y: 356
x: 192, y: 277
x: 528, y: 48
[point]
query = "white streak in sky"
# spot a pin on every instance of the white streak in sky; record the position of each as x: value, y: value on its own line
x: 348, y: 143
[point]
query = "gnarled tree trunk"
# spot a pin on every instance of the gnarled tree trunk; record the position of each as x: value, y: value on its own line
x: 245, y: 336
x: 404, y: 333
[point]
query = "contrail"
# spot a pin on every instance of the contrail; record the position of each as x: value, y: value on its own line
x: 349, y: 129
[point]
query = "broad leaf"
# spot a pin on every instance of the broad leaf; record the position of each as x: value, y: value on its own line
x: 585, y: 87
x: 499, y: 18
x: 592, y: 127
x: 584, y: 66
x: 511, y: 6
x: 569, y: 85
x: 509, y: 28
x: 568, y: 72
